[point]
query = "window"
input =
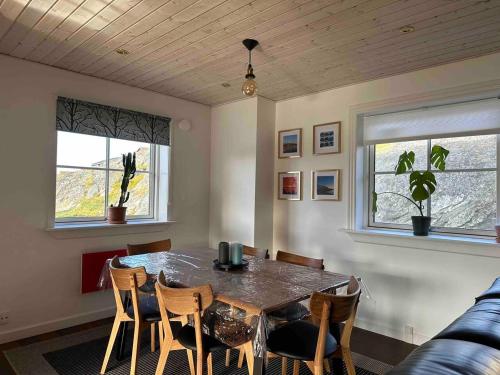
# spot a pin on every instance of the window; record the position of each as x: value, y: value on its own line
x: 89, y: 172
x: 466, y: 197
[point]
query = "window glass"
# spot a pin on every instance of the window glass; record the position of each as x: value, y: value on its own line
x: 470, y: 152
x: 392, y: 208
x: 387, y: 154
x: 89, y: 175
x: 81, y: 150
x: 117, y: 147
x: 80, y: 193
x: 465, y: 200
x: 138, y: 203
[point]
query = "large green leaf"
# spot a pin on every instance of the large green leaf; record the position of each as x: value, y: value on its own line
x: 374, y: 201
x: 438, y: 157
x: 422, y: 185
x: 405, y: 162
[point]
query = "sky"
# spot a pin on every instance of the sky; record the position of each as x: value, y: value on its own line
x: 83, y: 150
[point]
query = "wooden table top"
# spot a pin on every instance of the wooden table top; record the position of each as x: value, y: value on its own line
x: 266, y: 284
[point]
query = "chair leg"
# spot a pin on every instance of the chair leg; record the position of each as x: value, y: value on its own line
x: 111, y: 343
x: 165, y: 349
x: 209, y: 364
x: 153, y: 334
x: 310, y: 366
x: 326, y: 363
x: 135, y: 347
x: 192, y: 370
x: 248, y: 351
x: 228, y: 357
x: 349, y: 364
x: 241, y: 356
x: 199, y: 363
x: 283, y: 365
x: 296, y: 367
x: 160, y: 332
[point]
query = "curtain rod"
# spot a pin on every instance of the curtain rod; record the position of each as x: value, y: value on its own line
x: 434, y: 106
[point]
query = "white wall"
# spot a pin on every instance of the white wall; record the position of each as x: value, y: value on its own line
x: 232, y: 190
x: 40, y: 277
x: 421, y: 288
x: 241, y: 193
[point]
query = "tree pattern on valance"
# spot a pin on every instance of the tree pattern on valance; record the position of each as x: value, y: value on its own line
x: 78, y: 116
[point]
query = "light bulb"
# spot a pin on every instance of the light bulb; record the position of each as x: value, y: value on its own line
x: 249, y: 87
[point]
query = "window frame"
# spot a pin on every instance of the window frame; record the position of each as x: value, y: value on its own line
x: 153, y: 187
x: 370, y: 220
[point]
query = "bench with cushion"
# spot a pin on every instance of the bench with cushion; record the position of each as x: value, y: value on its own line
x: 470, y: 345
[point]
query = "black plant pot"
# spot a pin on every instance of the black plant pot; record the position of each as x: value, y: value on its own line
x: 421, y: 225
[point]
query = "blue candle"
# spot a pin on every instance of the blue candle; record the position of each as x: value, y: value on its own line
x: 236, y: 253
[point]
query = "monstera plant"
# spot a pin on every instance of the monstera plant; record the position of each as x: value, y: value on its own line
x: 421, y: 185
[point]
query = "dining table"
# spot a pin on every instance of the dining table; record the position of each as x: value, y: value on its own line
x: 263, y: 286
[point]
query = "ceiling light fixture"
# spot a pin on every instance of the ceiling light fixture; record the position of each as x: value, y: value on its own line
x: 407, y: 29
x: 122, y: 51
x: 249, y: 87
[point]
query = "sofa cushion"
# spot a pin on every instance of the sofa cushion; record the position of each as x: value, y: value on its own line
x: 492, y: 292
x: 480, y: 324
x: 450, y: 357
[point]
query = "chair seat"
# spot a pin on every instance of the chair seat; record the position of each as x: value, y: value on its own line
x: 187, y: 337
x: 298, y: 340
x: 290, y: 313
x: 148, y: 306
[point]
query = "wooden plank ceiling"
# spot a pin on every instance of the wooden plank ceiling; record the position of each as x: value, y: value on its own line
x: 189, y: 48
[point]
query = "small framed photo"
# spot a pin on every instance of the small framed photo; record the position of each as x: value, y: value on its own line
x: 290, y: 186
x: 326, y: 139
x: 326, y: 185
x: 290, y: 143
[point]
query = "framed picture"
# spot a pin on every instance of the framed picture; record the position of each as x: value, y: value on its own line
x: 290, y: 143
x: 326, y: 138
x: 326, y: 185
x: 290, y: 186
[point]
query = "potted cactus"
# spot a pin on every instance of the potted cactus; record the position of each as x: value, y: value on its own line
x: 116, y: 214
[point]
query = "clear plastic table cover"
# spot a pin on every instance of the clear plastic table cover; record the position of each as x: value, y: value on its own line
x: 247, y: 295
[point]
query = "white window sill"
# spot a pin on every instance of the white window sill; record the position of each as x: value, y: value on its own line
x: 478, y: 246
x: 98, y: 229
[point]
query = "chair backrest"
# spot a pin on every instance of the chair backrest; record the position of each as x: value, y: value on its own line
x: 256, y: 252
x: 300, y: 260
x: 152, y: 247
x: 340, y: 308
x: 127, y: 280
x: 185, y: 302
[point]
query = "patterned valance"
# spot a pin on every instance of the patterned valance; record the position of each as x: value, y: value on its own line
x: 78, y: 116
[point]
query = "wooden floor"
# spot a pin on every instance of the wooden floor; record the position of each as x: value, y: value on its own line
x: 373, y: 345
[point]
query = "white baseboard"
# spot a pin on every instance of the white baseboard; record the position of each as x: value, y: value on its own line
x: 398, y: 334
x: 54, y: 325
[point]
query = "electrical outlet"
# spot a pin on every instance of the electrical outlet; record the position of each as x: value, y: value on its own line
x: 409, y: 334
x: 4, y: 317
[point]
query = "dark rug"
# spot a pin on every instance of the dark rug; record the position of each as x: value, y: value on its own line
x: 86, y: 358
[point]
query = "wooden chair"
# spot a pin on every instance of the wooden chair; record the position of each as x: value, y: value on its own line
x: 256, y: 252
x: 186, y: 302
x: 145, y: 248
x: 152, y: 247
x: 299, y: 260
x: 143, y: 311
x: 296, y: 310
x: 317, y: 342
